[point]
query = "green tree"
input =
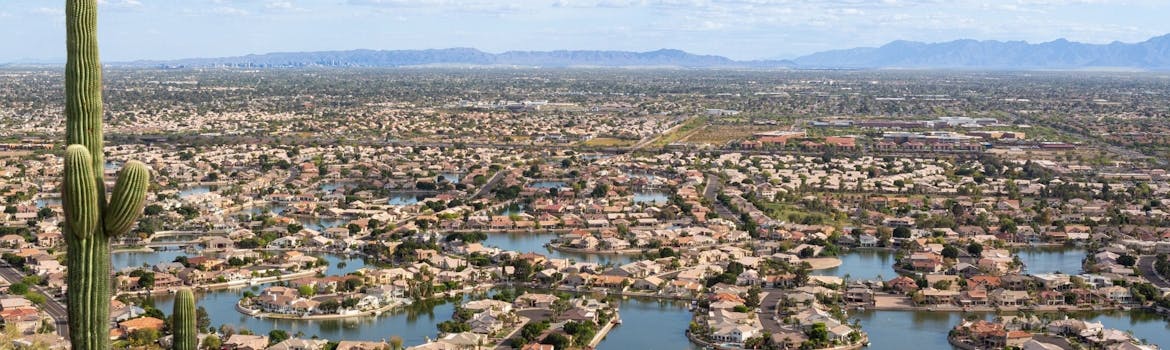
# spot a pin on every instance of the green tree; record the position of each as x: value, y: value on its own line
x: 18, y: 289
x: 1127, y: 260
x: 975, y: 249
x: 211, y: 342
x: 950, y: 252
x: 276, y: 336
x: 144, y: 337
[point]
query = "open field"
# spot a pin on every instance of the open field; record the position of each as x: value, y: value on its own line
x: 681, y: 132
x: 714, y: 134
x: 607, y: 142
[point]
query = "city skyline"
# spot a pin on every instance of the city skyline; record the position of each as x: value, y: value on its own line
x: 743, y: 30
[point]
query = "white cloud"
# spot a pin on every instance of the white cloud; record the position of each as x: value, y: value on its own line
x: 120, y: 3
x: 48, y: 11
x: 230, y: 11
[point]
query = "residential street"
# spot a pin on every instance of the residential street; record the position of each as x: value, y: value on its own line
x: 52, y: 306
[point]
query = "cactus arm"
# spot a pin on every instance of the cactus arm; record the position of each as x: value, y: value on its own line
x: 79, y: 193
x: 186, y: 334
x: 129, y: 196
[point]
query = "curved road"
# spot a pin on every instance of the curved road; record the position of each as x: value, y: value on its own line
x: 52, y: 306
x: 1146, y: 266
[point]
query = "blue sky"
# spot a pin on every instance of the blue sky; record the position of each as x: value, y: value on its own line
x: 740, y: 29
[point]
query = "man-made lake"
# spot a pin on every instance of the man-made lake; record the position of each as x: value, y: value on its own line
x: 514, y: 209
x: 452, y: 177
x: 534, y: 243
x: 195, y: 190
x: 320, y: 224
x: 47, y: 202
x: 1052, y: 259
x: 271, y: 209
x: 122, y: 260
x: 652, y: 197
x: 664, y: 320
x: 863, y: 264
x: 329, y: 187
x: 928, y: 330
x: 648, y: 324
x: 548, y: 184
x: 403, y: 199
x: 875, y: 263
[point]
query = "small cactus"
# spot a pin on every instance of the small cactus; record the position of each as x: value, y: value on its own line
x: 186, y: 334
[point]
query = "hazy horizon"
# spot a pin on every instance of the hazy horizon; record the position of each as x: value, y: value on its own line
x: 743, y: 29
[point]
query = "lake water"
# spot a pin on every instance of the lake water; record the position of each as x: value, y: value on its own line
x: 1052, y: 259
x: 403, y: 200
x: 452, y: 177
x: 891, y: 329
x: 534, y: 243
x: 664, y: 320
x: 548, y: 184
x: 121, y: 260
x: 196, y: 190
x: 320, y: 224
x: 648, y: 324
x: 863, y: 264
x: 653, y: 197
x: 275, y: 209
x: 331, y: 186
x: 874, y: 263
x: 46, y: 202
x: 513, y: 209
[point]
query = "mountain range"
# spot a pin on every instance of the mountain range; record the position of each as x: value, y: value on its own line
x: 1152, y: 54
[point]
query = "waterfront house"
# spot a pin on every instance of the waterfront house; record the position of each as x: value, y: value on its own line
x: 534, y: 300
x: 485, y: 323
x: 648, y: 284
x: 903, y: 285
x: 578, y: 314
x: 733, y: 327
x: 465, y: 340
x: 926, y: 262
x: 933, y: 296
x: 1053, y: 281
x: 299, y: 344
x: 130, y: 326
x: 360, y: 345
x: 245, y: 342
x: 860, y: 295
x: 488, y: 305
x: 973, y: 297
x: 1116, y: 294
x: 1009, y: 298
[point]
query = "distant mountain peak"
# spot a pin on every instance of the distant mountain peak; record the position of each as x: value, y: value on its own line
x: 474, y: 57
x: 1153, y: 54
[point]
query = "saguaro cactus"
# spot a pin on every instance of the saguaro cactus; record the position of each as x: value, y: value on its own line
x: 91, y: 220
x: 184, y: 321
